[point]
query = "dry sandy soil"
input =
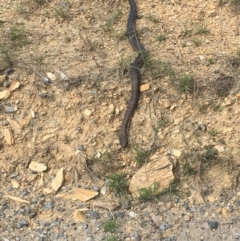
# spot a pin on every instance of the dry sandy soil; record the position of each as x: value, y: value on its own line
x: 188, y: 112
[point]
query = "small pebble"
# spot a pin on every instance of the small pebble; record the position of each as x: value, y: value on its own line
x: 95, y: 215
x: 162, y: 227
x: 120, y: 214
x: 213, y: 224
x: 34, y: 200
x: 81, y: 147
x: 42, y: 94
x: 48, y: 205
x: 132, y: 214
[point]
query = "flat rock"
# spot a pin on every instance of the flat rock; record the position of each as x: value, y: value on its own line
x: 157, y: 171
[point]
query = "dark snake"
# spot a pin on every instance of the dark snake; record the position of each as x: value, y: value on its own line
x: 134, y: 73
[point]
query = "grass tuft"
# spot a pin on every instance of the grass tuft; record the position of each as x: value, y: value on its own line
x: 117, y: 183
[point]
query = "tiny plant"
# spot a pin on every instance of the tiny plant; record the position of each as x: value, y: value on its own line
x: 40, y: 2
x: 210, y: 154
x: 66, y: 139
x: 238, y: 52
x: 17, y: 35
x: 187, y: 169
x: 109, y: 24
x: 161, y: 38
x: 172, y: 189
x: 61, y: 13
x: 213, y: 132
x: 113, y: 238
x: 186, y: 83
x: 142, y: 156
x: 117, y: 183
x: 110, y: 226
x: 148, y: 194
x: 217, y: 107
x: 153, y: 18
x: 202, y: 108
x: 5, y: 55
x: 210, y: 61
x: 203, y: 31
x: 197, y: 42
x: 88, y: 42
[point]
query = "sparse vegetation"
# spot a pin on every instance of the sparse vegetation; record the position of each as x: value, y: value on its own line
x: 62, y: 13
x: 5, y: 55
x: 210, y: 61
x: 172, y: 189
x: 213, y: 132
x: 142, y: 156
x: 39, y: 2
x: 153, y: 18
x: 148, y: 194
x: 110, y: 226
x: 161, y: 38
x: 217, y: 107
x: 209, y: 155
x: 117, y: 183
x: 108, y: 26
x: 197, y: 42
x: 186, y: 83
x: 88, y: 42
x: 203, y: 31
x: 17, y: 35
x: 187, y: 169
x: 113, y: 238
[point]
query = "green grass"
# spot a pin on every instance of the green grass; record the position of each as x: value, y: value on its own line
x: 110, y: 226
x: 197, y: 42
x: 187, y: 169
x: 172, y: 189
x: 210, y: 61
x: 39, y: 2
x: 203, y: 31
x: 202, y: 108
x: 5, y: 55
x: 186, y: 83
x: 117, y: 183
x: 88, y: 42
x: 148, y: 194
x: 61, y: 13
x: 213, y: 132
x: 161, y: 38
x: 17, y: 35
x: 217, y: 107
x: 209, y: 155
x: 113, y: 238
x: 153, y: 19
x: 142, y: 156
x: 108, y: 26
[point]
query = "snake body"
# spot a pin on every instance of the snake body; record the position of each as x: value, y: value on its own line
x: 134, y: 73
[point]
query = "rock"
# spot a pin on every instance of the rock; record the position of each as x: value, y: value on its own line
x: 132, y: 214
x: 213, y: 224
x: 156, y: 171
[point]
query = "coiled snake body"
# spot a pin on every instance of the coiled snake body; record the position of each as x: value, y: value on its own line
x: 134, y: 72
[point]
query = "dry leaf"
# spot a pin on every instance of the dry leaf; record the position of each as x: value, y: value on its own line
x: 79, y: 194
x: 8, y: 136
x: 17, y: 199
x: 38, y: 167
x: 4, y: 94
x: 15, y: 126
x: 78, y: 216
x: 14, y: 85
x: 58, y: 180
